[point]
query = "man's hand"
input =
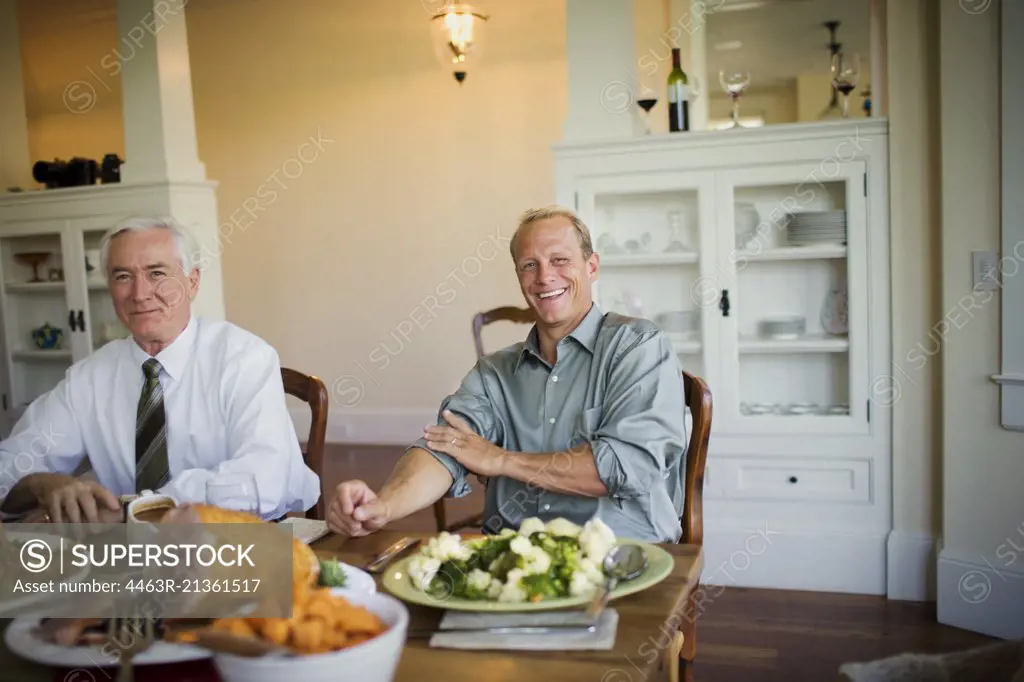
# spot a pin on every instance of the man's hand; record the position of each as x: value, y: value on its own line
x: 67, y: 499
x: 477, y: 454
x: 356, y: 510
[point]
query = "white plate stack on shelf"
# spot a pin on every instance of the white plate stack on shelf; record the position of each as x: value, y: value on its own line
x: 808, y: 228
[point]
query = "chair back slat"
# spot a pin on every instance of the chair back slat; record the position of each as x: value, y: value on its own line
x: 312, y: 391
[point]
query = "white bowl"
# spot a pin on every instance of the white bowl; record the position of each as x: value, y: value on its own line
x: 375, y: 660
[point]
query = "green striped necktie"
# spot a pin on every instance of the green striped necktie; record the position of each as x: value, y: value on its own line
x: 151, y: 468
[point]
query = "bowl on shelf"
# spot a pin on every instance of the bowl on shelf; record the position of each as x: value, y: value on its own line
x: 782, y: 327
x: 678, y: 321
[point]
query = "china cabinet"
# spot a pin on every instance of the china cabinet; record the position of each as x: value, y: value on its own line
x: 54, y: 303
x: 763, y: 254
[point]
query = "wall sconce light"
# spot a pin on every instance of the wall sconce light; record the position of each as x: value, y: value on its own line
x: 458, y: 37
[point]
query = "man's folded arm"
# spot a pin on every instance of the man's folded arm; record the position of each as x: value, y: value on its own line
x: 46, y: 440
x: 471, y: 403
x: 261, y: 439
x: 625, y: 453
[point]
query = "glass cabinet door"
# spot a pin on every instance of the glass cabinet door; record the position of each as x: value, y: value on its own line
x: 651, y: 233
x: 36, y: 312
x: 101, y: 323
x: 793, y: 298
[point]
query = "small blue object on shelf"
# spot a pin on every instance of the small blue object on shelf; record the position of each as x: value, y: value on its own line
x: 47, y: 337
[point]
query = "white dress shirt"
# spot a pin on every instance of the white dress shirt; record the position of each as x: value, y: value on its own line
x: 225, y: 407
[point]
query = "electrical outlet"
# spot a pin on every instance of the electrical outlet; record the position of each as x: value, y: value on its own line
x: 986, y: 270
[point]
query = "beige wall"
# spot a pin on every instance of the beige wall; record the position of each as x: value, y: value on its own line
x: 916, y: 234
x: 983, y: 464
x: 393, y: 233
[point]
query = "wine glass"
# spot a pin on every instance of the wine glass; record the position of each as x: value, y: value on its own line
x: 845, y: 72
x: 734, y: 82
x: 235, y: 491
x: 646, y: 101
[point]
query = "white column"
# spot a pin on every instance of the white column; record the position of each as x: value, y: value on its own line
x: 601, y: 61
x: 879, y: 59
x: 15, y: 165
x: 156, y: 79
x: 687, y: 30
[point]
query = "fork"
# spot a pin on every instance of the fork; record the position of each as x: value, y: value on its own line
x: 131, y: 636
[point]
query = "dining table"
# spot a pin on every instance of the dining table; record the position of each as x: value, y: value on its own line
x: 646, y: 646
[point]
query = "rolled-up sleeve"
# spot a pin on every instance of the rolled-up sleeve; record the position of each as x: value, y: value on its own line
x: 638, y: 435
x: 471, y: 403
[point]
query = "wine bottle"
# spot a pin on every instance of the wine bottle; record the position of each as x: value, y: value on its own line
x: 678, y: 96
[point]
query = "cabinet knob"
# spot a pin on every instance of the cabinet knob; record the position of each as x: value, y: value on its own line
x: 71, y: 320
x: 723, y: 303
x: 792, y: 479
x: 81, y: 320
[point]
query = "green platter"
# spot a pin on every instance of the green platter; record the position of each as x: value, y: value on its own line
x: 396, y: 581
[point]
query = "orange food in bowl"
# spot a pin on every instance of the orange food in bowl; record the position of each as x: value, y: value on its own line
x: 321, y: 622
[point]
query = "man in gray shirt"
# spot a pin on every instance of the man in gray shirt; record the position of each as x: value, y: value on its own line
x: 585, y: 418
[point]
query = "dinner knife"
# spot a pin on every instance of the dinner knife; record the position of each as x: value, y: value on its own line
x: 378, y: 563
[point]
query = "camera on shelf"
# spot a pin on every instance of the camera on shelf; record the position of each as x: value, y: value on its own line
x: 77, y: 172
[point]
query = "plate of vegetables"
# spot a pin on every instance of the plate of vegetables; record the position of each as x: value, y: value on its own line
x: 541, y: 566
x: 338, y: 575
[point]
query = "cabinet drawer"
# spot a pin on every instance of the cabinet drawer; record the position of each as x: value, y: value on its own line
x: 795, y: 479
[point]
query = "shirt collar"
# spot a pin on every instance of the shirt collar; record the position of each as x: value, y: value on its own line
x: 585, y: 334
x: 174, y: 357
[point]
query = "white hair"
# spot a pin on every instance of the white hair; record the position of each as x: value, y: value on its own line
x: 184, y: 242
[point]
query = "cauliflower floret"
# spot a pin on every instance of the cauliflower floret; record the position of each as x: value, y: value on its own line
x: 495, y: 588
x: 537, y: 561
x: 512, y: 590
x: 422, y: 569
x: 446, y: 546
x: 596, y: 539
x: 521, y: 546
x: 478, y: 579
x: 563, y: 528
x: 505, y: 532
x: 580, y: 586
x: 530, y: 526
x: 591, y: 571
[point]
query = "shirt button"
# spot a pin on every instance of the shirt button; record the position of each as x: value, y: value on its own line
x: 551, y: 421
x: 554, y: 378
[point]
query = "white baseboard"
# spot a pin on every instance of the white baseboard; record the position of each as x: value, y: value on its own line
x: 768, y: 556
x: 983, y: 594
x: 368, y: 427
x: 911, y: 569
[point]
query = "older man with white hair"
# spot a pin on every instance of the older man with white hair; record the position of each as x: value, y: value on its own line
x: 184, y: 401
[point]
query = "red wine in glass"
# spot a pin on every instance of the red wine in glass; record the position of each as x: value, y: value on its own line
x: 647, y: 104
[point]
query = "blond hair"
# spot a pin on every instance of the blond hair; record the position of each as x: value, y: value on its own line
x: 535, y: 214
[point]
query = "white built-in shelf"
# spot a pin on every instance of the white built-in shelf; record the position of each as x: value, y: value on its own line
x: 807, y: 344
x: 641, y: 259
x: 40, y: 355
x: 97, y: 286
x: 794, y: 253
x: 33, y: 287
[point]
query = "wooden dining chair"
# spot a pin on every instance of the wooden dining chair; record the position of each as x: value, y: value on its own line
x: 312, y: 391
x: 698, y: 400
x: 506, y: 313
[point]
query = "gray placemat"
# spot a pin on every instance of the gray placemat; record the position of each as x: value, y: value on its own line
x: 602, y: 639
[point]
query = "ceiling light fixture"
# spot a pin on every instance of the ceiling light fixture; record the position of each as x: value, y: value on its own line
x: 458, y: 36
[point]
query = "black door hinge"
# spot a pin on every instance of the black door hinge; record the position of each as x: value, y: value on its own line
x: 869, y: 410
x: 865, y: 184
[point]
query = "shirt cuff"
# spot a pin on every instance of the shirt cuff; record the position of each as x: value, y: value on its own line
x: 460, y: 486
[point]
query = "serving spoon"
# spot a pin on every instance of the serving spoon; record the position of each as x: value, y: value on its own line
x: 623, y: 562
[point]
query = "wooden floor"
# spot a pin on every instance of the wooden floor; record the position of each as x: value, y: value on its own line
x: 748, y: 635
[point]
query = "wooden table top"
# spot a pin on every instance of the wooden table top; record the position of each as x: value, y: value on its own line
x: 647, y: 621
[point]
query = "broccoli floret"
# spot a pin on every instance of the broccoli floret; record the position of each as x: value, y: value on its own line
x: 331, y: 573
